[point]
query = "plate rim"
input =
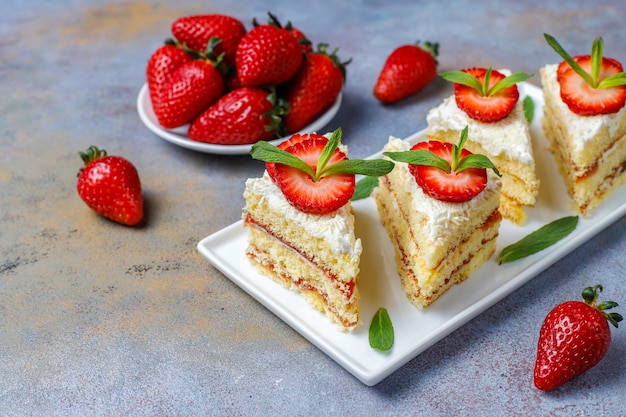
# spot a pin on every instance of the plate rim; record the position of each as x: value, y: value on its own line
x: 178, y: 137
x: 520, y: 273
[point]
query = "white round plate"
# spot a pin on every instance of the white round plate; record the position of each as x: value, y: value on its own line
x: 179, y: 137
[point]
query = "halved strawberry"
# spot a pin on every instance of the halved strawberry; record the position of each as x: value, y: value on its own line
x: 447, y: 186
x: 294, y: 139
x: 320, y: 196
x: 590, y: 84
x: 585, y: 100
x: 484, y: 107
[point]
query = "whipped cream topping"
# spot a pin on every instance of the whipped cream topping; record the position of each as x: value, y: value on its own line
x: 509, y: 136
x: 586, y: 127
x: 336, y: 228
x: 442, y: 216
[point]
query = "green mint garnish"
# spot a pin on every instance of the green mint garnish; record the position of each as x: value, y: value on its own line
x: 364, y: 188
x: 424, y: 157
x: 381, y: 331
x: 529, y: 108
x: 597, y: 49
x: 264, y: 151
x: 545, y: 236
x: 483, y: 89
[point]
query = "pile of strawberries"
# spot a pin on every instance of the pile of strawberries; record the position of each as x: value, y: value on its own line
x: 232, y: 86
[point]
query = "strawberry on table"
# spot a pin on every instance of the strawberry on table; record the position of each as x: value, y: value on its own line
x: 267, y: 55
x: 483, y: 94
x: 314, y: 88
x: 196, y: 31
x: 447, y: 172
x: 590, y: 84
x: 191, y: 89
x: 110, y: 186
x: 574, y: 337
x: 406, y: 71
x: 242, y: 116
x: 314, y: 175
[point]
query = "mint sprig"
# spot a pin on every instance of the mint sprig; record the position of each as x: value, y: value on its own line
x: 424, y: 157
x: 540, y: 239
x: 529, y: 109
x: 461, y: 77
x: 381, y: 335
x: 597, y: 50
x: 267, y: 152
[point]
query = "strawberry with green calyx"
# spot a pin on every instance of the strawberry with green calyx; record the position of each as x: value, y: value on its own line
x: 483, y: 94
x: 590, y: 84
x: 244, y: 115
x: 267, y: 55
x: 446, y: 172
x: 304, y: 42
x: 314, y: 175
x: 196, y: 31
x: 110, y: 186
x: 314, y: 88
x: 161, y: 65
x: 573, y: 338
x: 406, y: 71
x: 191, y: 89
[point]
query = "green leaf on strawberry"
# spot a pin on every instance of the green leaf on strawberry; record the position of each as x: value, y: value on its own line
x: 458, y: 164
x: 483, y: 88
x: 593, y: 79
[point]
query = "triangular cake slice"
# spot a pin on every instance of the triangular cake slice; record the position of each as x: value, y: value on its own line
x: 307, y: 243
x: 437, y: 243
x: 507, y: 142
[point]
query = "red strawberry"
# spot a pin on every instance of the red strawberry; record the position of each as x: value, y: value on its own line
x: 320, y: 196
x: 313, y: 89
x: 242, y: 116
x: 573, y: 338
x: 484, y: 107
x: 196, y: 31
x: 304, y: 42
x: 447, y: 186
x: 564, y: 66
x: 110, y: 186
x: 267, y: 55
x: 407, y: 70
x: 161, y: 65
x: 284, y: 145
x: 585, y: 100
x: 191, y: 90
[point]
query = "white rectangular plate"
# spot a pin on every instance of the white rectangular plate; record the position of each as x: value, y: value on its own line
x: 379, y: 284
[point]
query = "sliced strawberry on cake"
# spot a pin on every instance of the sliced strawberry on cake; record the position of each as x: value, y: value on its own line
x: 487, y: 102
x: 439, y: 207
x: 301, y: 223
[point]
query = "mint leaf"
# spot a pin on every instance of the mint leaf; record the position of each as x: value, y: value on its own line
x: 327, y: 152
x: 267, y: 152
x: 419, y: 157
x: 469, y: 80
x: 370, y: 167
x: 513, y: 79
x: 464, y: 78
x: 538, y: 240
x: 364, y: 188
x: 381, y: 331
x: 613, y: 80
x: 476, y: 161
x: 559, y: 50
x: 529, y: 109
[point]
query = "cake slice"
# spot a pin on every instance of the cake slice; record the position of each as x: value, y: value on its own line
x: 586, y: 125
x: 439, y: 237
x: 502, y: 135
x: 301, y: 223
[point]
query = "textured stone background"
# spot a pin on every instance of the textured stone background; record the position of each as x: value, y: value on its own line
x: 100, y: 319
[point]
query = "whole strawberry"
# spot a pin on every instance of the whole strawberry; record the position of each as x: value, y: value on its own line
x: 190, y: 90
x: 407, y: 70
x: 110, y: 186
x: 267, y: 55
x: 573, y: 338
x: 242, y: 116
x: 314, y: 88
x: 196, y: 31
x: 304, y: 42
x: 161, y: 65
